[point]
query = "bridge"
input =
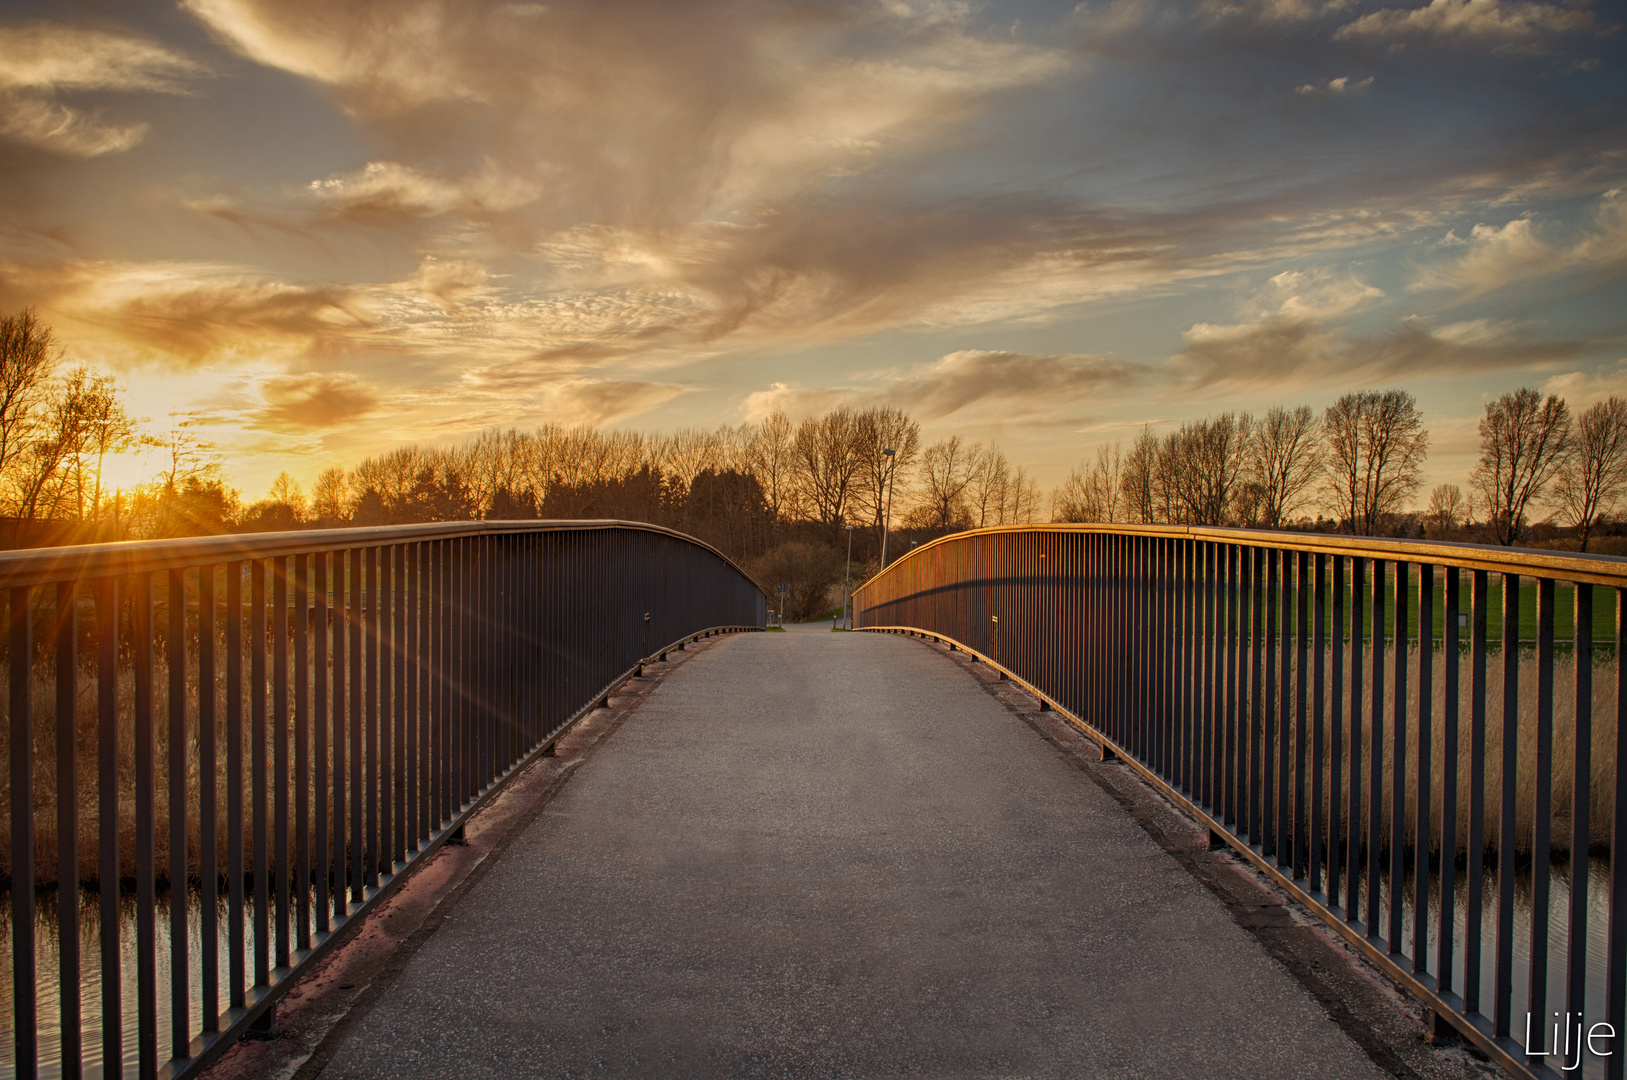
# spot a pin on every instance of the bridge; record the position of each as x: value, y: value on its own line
x: 533, y: 799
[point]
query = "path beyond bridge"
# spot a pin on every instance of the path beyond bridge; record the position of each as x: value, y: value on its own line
x: 837, y: 855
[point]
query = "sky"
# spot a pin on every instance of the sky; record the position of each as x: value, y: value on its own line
x: 317, y: 229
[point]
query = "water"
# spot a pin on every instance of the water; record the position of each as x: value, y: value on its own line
x: 47, y: 953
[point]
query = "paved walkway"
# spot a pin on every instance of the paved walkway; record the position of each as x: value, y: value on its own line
x: 835, y: 855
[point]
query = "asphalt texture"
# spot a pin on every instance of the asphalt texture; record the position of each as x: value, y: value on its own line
x: 835, y: 855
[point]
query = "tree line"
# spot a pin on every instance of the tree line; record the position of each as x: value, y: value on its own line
x: 1362, y: 462
x: 788, y: 498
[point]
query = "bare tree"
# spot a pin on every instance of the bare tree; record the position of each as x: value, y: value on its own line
x: 875, y: 430
x: 1376, y: 445
x: 1198, y: 469
x: 328, y: 497
x: 108, y: 429
x: 768, y: 456
x: 1093, y: 493
x: 1524, y: 441
x: 988, y: 495
x: 1446, y: 510
x: 824, y: 460
x: 946, y: 471
x: 28, y: 355
x: 1285, y: 462
x: 1595, y: 476
x: 1137, y: 482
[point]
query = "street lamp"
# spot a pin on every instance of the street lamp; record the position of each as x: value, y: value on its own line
x: 847, y: 586
x: 887, y: 522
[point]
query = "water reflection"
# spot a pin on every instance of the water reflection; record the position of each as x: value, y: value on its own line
x: 47, y: 956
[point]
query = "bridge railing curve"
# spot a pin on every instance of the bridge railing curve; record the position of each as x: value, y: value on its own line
x: 326, y: 707
x: 1289, y: 690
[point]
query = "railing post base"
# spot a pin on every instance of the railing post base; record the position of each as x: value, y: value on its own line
x: 551, y: 750
x: 1442, y: 1033
x: 1216, y: 841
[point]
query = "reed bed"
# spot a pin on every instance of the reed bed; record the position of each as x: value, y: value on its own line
x: 45, y: 758
x: 1602, y: 777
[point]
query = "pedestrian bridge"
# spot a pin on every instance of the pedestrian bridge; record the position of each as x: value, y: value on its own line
x: 1076, y: 804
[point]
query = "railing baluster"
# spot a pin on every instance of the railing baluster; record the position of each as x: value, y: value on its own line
x: 208, y: 809
x: 1424, y: 790
x: 1503, y: 987
x: 175, y: 808
x: 1375, y: 761
x: 279, y: 754
x: 1445, y: 954
x: 146, y: 899
x: 236, y: 946
x: 322, y: 746
x: 1581, y: 799
x: 1353, y: 824
x: 1542, y: 802
x: 258, y: 768
x: 1398, y: 769
x: 1615, y: 949
x: 1474, y: 903
x: 67, y: 823
x: 1320, y: 820
x: 25, y: 1004
x: 302, y: 752
x: 107, y: 824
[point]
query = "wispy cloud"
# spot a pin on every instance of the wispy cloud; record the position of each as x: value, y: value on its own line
x: 1515, y: 24
x: 41, y: 61
x: 1495, y: 256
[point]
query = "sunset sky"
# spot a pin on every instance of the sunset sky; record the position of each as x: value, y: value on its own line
x: 324, y: 227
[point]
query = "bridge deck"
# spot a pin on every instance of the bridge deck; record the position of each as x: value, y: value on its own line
x: 835, y: 855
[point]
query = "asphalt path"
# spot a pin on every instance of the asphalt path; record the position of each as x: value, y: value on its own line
x: 835, y: 855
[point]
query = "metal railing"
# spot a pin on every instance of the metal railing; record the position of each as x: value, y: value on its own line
x: 1290, y: 691
x: 274, y: 729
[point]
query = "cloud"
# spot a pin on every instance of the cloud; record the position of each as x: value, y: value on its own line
x: 1018, y: 382
x: 315, y: 400
x: 1339, y: 87
x: 1512, y: 25
x: 182, y: 315
x: 1496, y: 256
x: 1580, y: 389
x: 42, y: 60
x: 1293, y: 339
x: 1018, y: 385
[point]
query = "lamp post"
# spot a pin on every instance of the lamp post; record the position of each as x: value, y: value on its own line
x: 847, y: 584
x: 887, y: 522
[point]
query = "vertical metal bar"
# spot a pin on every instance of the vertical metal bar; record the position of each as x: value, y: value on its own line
x: 67, y: 822
x: 411, y: 664
x: 208, y: 808
x: 1424, y: 794
x: 398, y: 701
x: 1445, y: 971
x: 1233, y: 811
x: 258, y: 767
x: 1320, y: 819
x: 1581, y: 800
x: 321, y: 718
x: 1353, y: 824
x: 25, y: 1004
x: 1266, y: 694
x: 179, y: 973
x: 146, y: 900
x: 107, y: 823
x: 1398, y: 767
x: 1474, y: 902
x: 237, y: 965
x: 378, y: 717
x: 1253, y: 600
x: 1287, y: 747
x: 1615, y: 948
x: 358, y: 857
x: 302, y: 752
x: 1542, y: 801
x: 279, y: 753
x: 1375, y: 758
x: 1503, y: 987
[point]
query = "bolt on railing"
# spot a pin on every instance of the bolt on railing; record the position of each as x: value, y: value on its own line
x: 356, y: 693
x: 1343, y: 713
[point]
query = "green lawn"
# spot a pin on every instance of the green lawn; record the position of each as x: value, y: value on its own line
x: 1604, y: 610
